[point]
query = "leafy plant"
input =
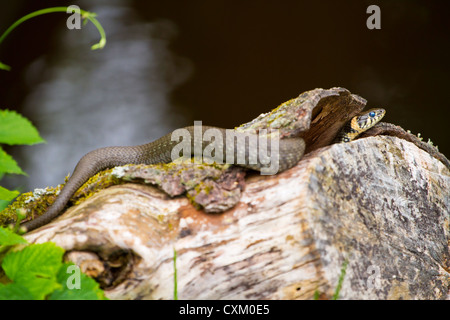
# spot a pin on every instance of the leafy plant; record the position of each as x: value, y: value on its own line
x: 14, y: 130
x: 36, y: 272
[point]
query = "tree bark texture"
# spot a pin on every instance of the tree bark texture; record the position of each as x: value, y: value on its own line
x: 380, y: 203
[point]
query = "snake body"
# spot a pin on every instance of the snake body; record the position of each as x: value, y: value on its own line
x: 291, y: 151
x: 159, y: 151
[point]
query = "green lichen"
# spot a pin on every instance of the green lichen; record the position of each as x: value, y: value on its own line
x: 432, y: 144
x: 429, y: 142
x: 101, y: 180
x: 202, y: 187
x: 207, y: 189
x: 419, y: 136
x: 276, y: 118
x: 191, y: 197
x: 34, y: 203
x: 191, y: 175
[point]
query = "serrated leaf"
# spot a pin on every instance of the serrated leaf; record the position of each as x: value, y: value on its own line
x: 35, y: 267
x: 8, y: 164
x: 8, y: 195
x: 42, y: 260
x: 88, y: 288
x: 16, y: 129
x: 9, y: 238
x: 14, y: 291
x: 39, y: 287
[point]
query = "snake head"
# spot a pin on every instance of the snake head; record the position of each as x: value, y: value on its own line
x: 367, y: 119
x: 360, y: 123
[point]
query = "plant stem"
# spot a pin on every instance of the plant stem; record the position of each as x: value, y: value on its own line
x: 85, y: 14
x: 341, y: 280
x: 175, y: 281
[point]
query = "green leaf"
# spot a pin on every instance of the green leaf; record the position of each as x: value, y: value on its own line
x: 4, y: 203
x: 9, y: 238
x: 38, y: 259
x: 4, y: 67
x: 35, y: 267
x: 8, y: 164
x: 39, y: 286
x: 7, y: 195
x: 70, y: 277
x: 100, y: 45
x: 14, y: 291
x: 16, y: 129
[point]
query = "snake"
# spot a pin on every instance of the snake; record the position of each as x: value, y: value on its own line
x: 360, y: 123
x: 290, y: 150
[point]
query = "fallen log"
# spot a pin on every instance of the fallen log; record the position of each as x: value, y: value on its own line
x: 379, y: 205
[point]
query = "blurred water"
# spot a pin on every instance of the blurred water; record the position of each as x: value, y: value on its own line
x: 82, y: 100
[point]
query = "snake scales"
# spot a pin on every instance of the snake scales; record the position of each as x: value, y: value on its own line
x: 291, y: 150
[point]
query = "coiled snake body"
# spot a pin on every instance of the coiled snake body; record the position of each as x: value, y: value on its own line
x: 291, y: 151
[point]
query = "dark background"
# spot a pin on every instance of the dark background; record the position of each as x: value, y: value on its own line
x: 247, y: 57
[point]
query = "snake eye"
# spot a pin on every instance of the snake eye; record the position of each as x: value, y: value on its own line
x: 372, y: 114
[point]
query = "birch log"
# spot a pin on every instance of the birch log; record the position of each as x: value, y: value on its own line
x: 380, y: 203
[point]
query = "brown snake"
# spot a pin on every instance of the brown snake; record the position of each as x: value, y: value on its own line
x: 291, y: 150
x: 158, y: 151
